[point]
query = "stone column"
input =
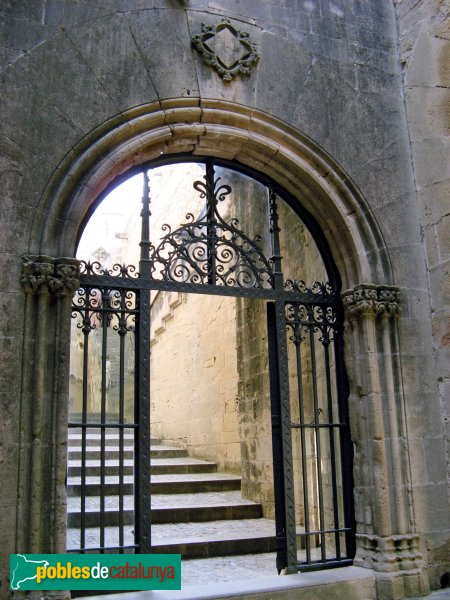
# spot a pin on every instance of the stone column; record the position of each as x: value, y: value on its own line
x: 49, y: 284
x: 386, y: 540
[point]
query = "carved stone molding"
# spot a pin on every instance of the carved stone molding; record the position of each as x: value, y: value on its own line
x: 226, y: 48
x: 368, y: 299
x: 47, y: 275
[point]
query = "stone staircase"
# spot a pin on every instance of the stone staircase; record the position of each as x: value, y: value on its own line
x: 196, y: 511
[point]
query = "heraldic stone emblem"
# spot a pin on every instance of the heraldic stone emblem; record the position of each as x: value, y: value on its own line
x: 227, y: 49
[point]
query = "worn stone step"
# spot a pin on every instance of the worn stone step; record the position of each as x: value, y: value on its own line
x: 170, y: 514
x: 161, y: 484
x: 92, y: 518
x: 168, y: 508
x: 187, y: 465
x: 215, y: 538
x: 192, y: 540
x: 194, y: 483
x: 94, y: 440
x: 196, y: 539
x: 95, y: 453
x: 158, y: 466
x: 93, y: 468
x: 199, y: 513
x: 112, y: 452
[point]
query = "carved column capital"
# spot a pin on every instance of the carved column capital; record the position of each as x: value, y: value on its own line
x: 47, y: 275
x: 371, y: 300
x: 388, y: 301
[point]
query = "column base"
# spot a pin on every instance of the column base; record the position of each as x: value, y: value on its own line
x: 397, y: 564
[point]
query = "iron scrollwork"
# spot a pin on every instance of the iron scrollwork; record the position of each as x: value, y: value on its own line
x: 105, y: 307
x: 117, y: 270
x: 208, y: 250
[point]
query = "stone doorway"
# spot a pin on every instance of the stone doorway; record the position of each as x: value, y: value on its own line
x: 246, y: 251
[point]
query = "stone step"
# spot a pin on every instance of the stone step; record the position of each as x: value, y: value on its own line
x: 215, y: 538
x: 112, y: 452
x: 161, y: 484
x: 196, y: 539
x: 168, y: 508
x: 158, y: 466
x: 93, y: 468
x: 163, y: 466
x: 170, y: 514
x: 193, y: 540
x: 94, y: 440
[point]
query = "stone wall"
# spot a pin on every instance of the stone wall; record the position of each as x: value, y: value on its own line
x: 424, y: 37
x: 194, y: 377
x: 302, y: 261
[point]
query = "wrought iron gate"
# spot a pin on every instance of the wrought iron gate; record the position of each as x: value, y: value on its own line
x: 311, y: 444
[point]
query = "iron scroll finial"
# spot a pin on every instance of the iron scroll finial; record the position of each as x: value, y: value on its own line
x: 227, y: 49
x: 210, y: 249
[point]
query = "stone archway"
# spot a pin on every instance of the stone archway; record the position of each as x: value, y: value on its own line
x: 386, y: 538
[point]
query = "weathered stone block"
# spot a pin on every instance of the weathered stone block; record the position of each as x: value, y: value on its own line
x: 44, y: 78
x: 72, y: 12
x: 426, y: 68
x: 109, y: 48
x: 443, y: 236
x: 434, y: 456
x: 431, y: 506
x: 430, y: 160
x: 156, y: 29
x: 433, y: 200
x: 254, y: 9
x: 427, y: 111
x: 440, y: 284
x: 25, y: 9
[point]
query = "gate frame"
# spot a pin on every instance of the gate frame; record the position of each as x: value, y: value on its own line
x: 122, y: 277
x: 387, y: 538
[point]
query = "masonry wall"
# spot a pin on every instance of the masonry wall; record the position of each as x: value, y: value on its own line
x: 194, y: 378
x: 424, y: 38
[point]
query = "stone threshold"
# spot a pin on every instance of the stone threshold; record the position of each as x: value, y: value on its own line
x: 354, y: 583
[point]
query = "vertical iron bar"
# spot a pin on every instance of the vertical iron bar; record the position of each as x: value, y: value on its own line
x: 317, y: 429
x: 105, y: 318
x: 297, y: 342
x: 142, y: 403
x: 122, y: 332
x: 283, y: 386
x: 346, y: 445
x: 275, y: 240
x: 277, y: 446
x: 86, y: 330
x: 326, y: 343
x: 211, y: 241
x: 286, y: 436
